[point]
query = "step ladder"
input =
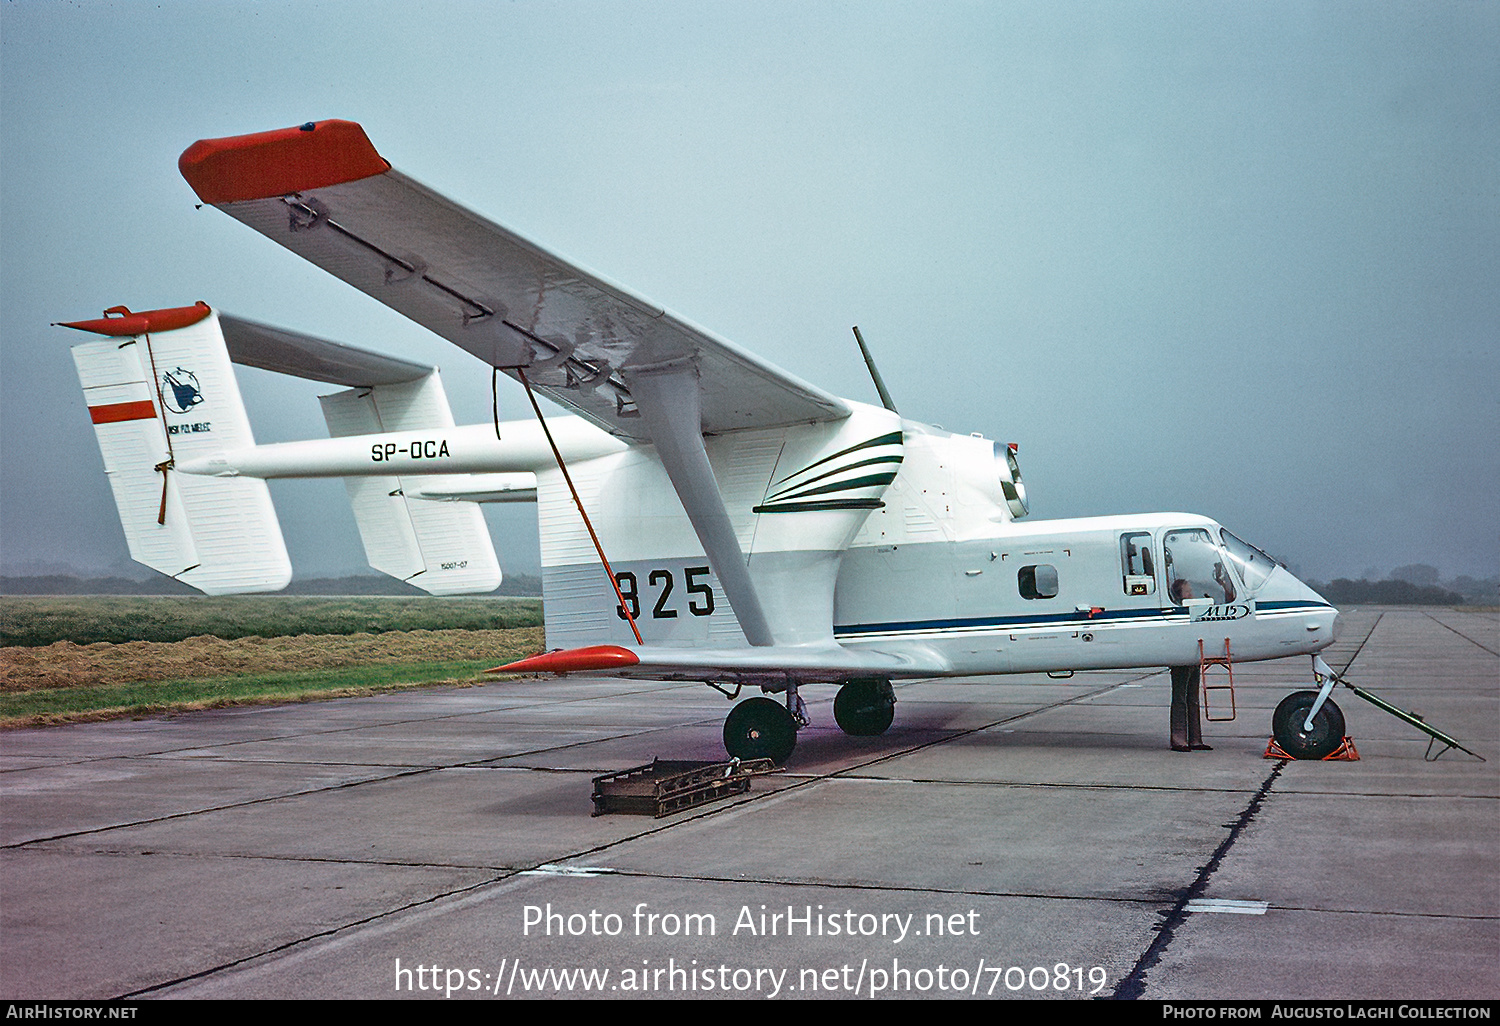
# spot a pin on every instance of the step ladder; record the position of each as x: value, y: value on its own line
x: 1204, y: 662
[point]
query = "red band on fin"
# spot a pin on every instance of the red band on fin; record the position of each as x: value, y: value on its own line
x: 113, y: 413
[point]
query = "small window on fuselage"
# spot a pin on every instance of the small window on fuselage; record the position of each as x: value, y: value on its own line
x: 1135, y: 560
x: 1038, y: 581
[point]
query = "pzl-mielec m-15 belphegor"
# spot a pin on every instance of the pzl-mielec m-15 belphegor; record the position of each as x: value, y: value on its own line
x: 759, y: 531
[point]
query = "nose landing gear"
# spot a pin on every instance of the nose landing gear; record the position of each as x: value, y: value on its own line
x: 1315, y: 738
x: 1289, y: 726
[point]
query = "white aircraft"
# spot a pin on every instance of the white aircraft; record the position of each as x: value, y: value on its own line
x: 759, y: 531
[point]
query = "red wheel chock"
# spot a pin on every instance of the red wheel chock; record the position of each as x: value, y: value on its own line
x: 1345, y: 752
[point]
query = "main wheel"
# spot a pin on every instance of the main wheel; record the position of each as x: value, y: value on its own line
x: 760, y: 728
x: 864, y: 708
x: 1288, y: 725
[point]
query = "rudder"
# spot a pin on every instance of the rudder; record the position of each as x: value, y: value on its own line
x: 442, y: 547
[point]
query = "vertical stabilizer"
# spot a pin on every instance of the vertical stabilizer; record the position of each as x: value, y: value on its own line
x: 160, y: 388
x: 444, y: 548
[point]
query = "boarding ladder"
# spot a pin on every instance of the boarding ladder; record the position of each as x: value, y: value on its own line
x: 1204, y: 662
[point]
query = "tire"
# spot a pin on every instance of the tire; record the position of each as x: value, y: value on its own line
x: 760, y: 728
x: 864, y: 708
x: 1287, y: 726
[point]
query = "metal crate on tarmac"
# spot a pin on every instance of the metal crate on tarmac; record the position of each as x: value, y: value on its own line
x: 665, y: 786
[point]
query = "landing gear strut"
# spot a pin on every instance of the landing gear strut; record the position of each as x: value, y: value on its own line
x: 760, y: 728
x: 865, y: 707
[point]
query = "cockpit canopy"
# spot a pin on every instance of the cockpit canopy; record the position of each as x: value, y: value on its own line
x: 1254, y: 566
x: 1197, y: 567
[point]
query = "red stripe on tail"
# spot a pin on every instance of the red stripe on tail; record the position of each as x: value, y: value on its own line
x: 113, y: 413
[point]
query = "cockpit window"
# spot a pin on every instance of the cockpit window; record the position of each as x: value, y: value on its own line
x: 1254, y: 565
x: 1195, y: 567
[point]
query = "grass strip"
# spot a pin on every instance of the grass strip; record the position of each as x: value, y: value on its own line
x: 35, y: 621
x: 45, y: 706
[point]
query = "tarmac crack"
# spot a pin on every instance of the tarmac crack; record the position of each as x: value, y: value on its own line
x: 213, y: 808
x: 300, y: 941
x: 1133, y: 985
x: 1460, y: 633
x: 865, y: 885
x: 540, y: 703
x: 484, y: 763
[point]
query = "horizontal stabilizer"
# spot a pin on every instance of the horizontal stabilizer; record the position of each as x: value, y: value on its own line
x: 253, y: 344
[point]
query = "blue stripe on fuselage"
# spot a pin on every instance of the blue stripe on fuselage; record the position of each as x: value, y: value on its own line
x: 1071, y: 618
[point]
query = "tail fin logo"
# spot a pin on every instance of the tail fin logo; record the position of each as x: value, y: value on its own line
x: 179, y: 390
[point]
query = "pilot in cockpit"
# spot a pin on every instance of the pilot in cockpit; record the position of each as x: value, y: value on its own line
x: 1195, y: 569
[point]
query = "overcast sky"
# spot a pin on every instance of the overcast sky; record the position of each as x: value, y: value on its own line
x: 1235, y: 259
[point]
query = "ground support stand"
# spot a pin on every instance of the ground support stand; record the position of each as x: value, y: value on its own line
x: 664, y: 786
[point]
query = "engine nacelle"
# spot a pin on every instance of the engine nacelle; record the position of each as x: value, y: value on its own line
x: 960, y: 484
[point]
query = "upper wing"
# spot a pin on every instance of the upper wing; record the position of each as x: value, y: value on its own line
x: 322, y: 191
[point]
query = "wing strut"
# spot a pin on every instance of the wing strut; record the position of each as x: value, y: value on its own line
x: 670, y: 404
x: 521, y: 372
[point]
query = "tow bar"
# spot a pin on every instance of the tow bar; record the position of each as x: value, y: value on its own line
x: 1325, y: 675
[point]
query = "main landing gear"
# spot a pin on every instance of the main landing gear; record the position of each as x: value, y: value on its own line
x: 762, y: 728
x: 865, y: 707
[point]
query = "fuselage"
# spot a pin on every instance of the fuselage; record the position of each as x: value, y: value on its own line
x: 938, y: 567
x: 1093, y: 593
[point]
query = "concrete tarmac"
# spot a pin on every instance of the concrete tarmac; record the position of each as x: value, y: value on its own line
x: 1008, y: 837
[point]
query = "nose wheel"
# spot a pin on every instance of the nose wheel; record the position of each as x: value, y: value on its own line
x: 759, y: 728
x: 1289, y: 726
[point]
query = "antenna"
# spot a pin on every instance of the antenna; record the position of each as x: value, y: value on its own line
x: 885, y: 397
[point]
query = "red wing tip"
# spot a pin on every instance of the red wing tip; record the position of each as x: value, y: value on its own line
x: 573, y: 660
x: 277, y: 163
x: 127, y: 323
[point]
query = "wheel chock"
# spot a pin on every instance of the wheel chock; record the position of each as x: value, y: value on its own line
x: 1345, y: 752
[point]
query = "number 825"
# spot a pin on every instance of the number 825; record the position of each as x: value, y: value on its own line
x: 700, y: 593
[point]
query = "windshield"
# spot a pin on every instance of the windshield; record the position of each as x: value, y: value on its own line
x: 1254, y: 565
x: 1194, y: 569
